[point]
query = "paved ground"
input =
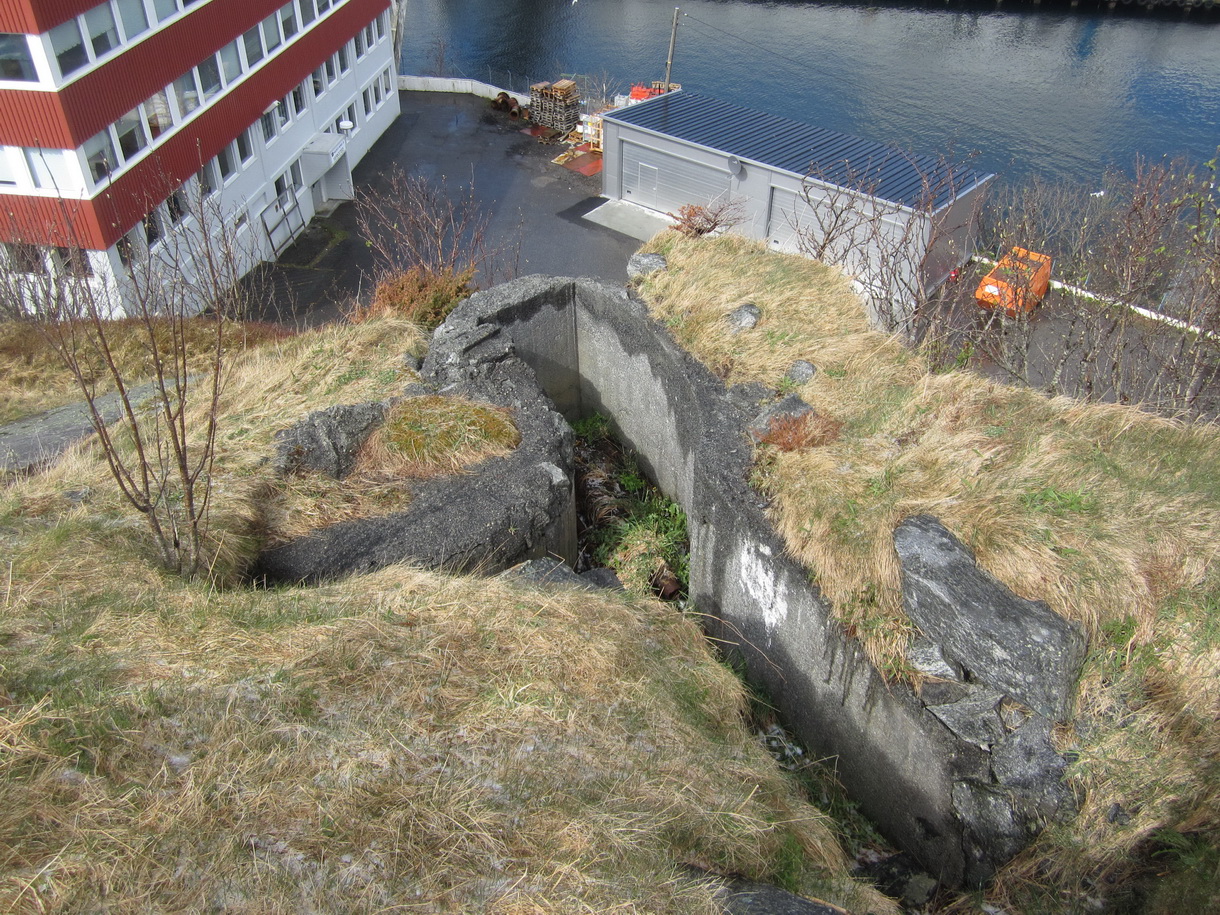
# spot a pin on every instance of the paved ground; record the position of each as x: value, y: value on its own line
x: 536, y: 208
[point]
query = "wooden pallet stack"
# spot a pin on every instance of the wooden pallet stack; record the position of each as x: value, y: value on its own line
x: 555, y: 105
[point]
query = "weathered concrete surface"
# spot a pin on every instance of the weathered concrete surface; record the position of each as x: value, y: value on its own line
x: 1017, y: 646
x: 513, y: 508
x: 928, y: 787
x: 327, y: 441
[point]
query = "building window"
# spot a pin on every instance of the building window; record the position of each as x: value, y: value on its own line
x: 207, y: 180
x: 323, y: 6
x: 344, y: 63
x: 8, y: 177
x: 68, y: 46
x: 230, y: 62
x: 49, y: 168
x: 308, y: 13
x: 271, y: 33
x: 270, y: 132
x: 177, y: 206
x: 254, y: 46
x: 103, y: 34
x: 368, y: 102
x: 157, y: 114
x: 134, y: 19
x: 281, y: 113
x: 73, y: 262
x: 224, y: 161
x: 360, y: 48
x: 15, y: 60
x: 244, y: 150
x: 99, y: 153
x: 298, y: 100
x: 130, y: 130
x: 349, y: 116
x: 164, y: 9
x: 25, y: 258
x: 288, y: 20
x: 186, y: 92
x: 209, y: 78
x: 153, y: 230
x: 380, y: 24
x: 125, y: 250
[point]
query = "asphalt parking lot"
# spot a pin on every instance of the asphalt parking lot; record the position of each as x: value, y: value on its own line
x: 536, y: 209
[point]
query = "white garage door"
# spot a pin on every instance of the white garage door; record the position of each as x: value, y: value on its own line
x: 787, y: 214
x: 663, y: 182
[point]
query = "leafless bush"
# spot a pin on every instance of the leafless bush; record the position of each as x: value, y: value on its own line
x: 161, y: 451
x: 899, y: 252
x: 1136, y: 314
x: 694, y: 220
x: 423, y: 234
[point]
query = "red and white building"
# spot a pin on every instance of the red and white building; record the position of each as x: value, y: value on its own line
x: 119, y: 118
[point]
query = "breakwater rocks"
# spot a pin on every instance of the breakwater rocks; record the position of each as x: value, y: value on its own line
x: 961, y: 775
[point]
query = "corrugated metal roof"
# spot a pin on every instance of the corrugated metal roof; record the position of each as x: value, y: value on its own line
x: 801, y: 149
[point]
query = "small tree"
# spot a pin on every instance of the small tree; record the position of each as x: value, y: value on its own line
x: 176, y: 295
x: 894, y: 250
x: 1136, y: 319
x: 429, y: 245
x: 695, y: 220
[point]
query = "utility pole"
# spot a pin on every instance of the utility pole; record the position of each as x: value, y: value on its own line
x: 669, y: 63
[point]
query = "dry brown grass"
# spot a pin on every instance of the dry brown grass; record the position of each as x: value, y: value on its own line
x: 408, y: 740
x: 444, y: 743
x: 1110, y: 515
x: 33, y: 380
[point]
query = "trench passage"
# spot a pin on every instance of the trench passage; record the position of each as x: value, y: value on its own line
x: 623, y: 521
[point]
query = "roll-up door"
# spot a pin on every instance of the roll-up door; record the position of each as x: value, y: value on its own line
x: 788, y: 213
x: 664, y: 182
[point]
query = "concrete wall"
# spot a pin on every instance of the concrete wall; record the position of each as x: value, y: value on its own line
x: 452, y: 84
x: 597, y: 350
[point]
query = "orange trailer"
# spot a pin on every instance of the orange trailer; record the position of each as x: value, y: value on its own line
x: 1017, y: 283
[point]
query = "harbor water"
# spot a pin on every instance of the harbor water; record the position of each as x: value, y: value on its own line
x: 1025, y: 90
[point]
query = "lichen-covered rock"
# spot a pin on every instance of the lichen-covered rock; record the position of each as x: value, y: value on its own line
x: 1020, y: 647
x: 327, y: 441
x: 790, y: 407
x: 743, y: 317
x: 800, y: 372
x: 643, y: 264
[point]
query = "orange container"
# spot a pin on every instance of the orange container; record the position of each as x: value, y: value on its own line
x: 1017, y: 283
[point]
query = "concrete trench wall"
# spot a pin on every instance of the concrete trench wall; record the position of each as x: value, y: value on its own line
x: 595, y: 349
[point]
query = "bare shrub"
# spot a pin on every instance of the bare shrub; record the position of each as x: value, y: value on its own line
x: 898, y: 252
x: 429, y: 245
x: 1136, y: 310
x: 187, y: 282
x: 809, y: 430
x: 417, y: 295
x: 694, y: 220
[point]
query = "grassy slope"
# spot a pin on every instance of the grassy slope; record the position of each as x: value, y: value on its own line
x: 450, y: 744
x: 1110, y: 515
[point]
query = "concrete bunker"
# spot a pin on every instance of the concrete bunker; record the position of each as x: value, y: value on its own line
x: 951, y: 776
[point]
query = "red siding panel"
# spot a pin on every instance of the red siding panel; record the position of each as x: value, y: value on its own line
x: 51, y: 221
x: 39, y: 15
x: 82, y: 108
x: 29, y: 118
x: 132, y: 195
